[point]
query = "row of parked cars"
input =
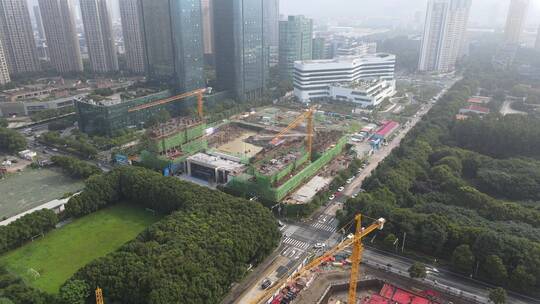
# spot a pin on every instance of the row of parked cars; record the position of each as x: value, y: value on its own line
x: 350, y: 180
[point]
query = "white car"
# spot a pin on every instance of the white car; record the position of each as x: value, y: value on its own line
x: 331, y: 198
x: 354, y: 195
x: 340, y: 189
x: 319, y: 245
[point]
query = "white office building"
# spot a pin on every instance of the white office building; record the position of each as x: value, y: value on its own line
x: 366, y: 93
x: 313, y: 78
x: 444, y: 34
x: 357, y: 49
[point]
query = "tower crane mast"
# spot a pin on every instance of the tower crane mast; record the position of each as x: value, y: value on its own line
x: 306, y: 116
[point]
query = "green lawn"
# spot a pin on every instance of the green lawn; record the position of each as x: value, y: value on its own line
x: 62, y: 252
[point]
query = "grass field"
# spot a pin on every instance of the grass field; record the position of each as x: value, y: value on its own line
x: 62, y: 252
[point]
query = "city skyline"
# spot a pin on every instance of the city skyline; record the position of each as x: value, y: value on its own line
x: 491, y: 13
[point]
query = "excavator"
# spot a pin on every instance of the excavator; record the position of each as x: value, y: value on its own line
x: 356, y: 257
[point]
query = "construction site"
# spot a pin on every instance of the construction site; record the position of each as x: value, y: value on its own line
x: 281, y: 149
x: 341, y: 275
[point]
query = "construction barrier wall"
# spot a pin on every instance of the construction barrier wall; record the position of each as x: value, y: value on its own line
x: 274, y: 178
x: 179, y: 139
x: 310, y: 170
x: 262, y: 186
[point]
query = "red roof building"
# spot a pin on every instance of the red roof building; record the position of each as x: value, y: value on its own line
x: 393, y: 295
x: 387, y: 129
x: 480, y: 100
x: 475, y: 109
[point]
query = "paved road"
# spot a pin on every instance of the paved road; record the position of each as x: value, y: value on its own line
x: 507, y: 109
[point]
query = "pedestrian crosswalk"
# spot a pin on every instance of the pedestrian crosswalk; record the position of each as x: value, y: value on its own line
x: 325, y: 227
x: 296, y: 243
x: 326, y: 224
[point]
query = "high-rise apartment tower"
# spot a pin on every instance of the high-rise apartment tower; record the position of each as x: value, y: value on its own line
x: 132, y: 32
x: 99, y: 37
x: 60, y: 32
x: 444, y: 33
x: 515, y: 20
x: 17, y: 37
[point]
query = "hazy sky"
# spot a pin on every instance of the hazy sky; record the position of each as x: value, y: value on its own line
x: 482, y: 11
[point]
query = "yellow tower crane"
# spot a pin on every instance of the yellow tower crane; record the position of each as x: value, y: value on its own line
x: 199, y: 93
x: 356, y: 258
x: 99, y: 296
x: 306, y: 116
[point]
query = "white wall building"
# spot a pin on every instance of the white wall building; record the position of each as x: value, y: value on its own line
x: 313, y: 78
x: 444, y: 34
x: 366, y: 93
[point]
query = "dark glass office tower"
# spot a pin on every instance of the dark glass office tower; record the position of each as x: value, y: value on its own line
x: 172, y: 31
x: 240, y: 46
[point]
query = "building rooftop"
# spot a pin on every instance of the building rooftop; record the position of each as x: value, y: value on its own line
x: 362, y: 84
x: 387, y: 128
x: 355, y: 59
x: 479, y: 99
x: 217, y: 162
x: 392, y: 294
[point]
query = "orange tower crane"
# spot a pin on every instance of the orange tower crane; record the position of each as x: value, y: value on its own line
x: 99, y: 296
x: 306, y: 116
x: 356, y: 258
x: 199, y: 93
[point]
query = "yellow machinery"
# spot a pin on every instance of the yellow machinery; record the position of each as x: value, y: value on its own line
x: 99, y: 296
x: 308, y: 116
x: 199, y: 93
x: 356, y: 258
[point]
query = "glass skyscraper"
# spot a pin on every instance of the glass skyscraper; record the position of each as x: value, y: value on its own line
x: 172, y: 31
x: 296, y: 43
x: 241, y: 47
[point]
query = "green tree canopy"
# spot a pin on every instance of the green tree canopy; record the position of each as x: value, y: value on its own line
x: 463, y: 259
x: 495, y: 270
x: 417, y: 271
x: 498, y: 295
x: 74, y: 292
